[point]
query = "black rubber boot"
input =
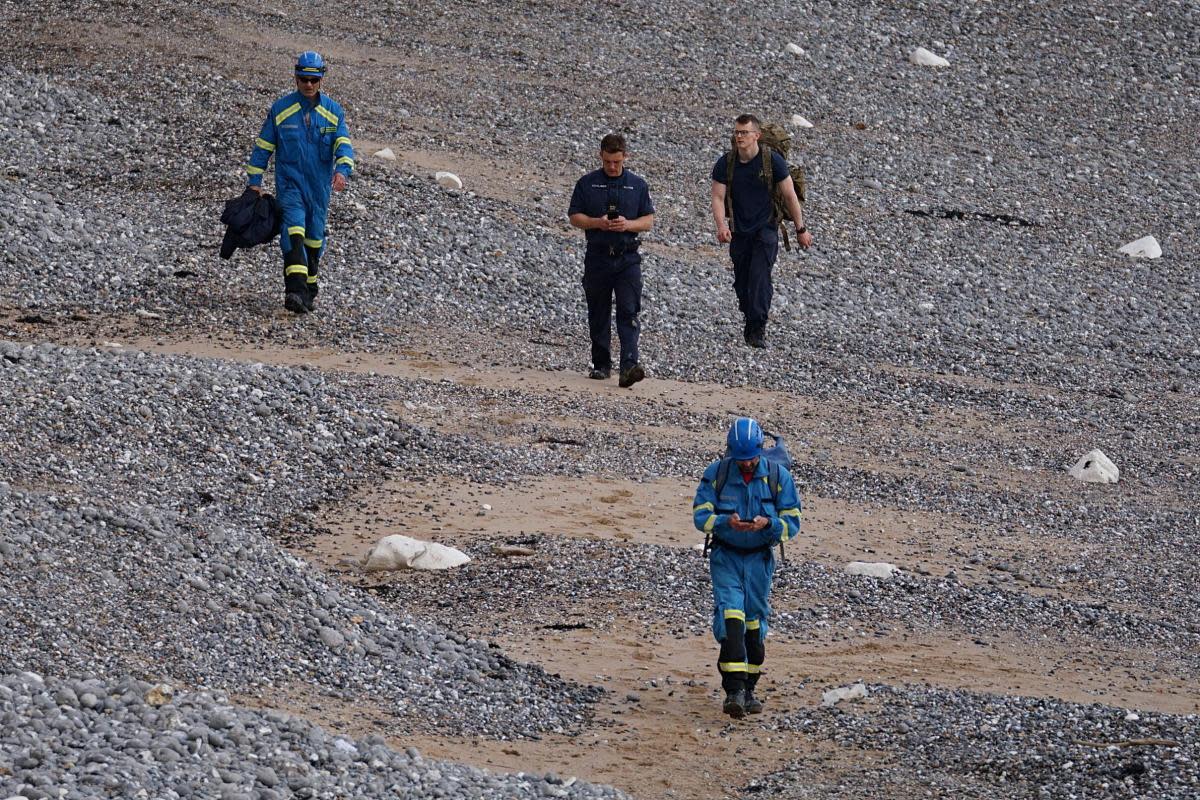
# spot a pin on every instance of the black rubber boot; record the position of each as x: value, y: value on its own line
x: 295, y: 277
x: 733, y: 680
x: 314, y: 260
x: 756, y: 653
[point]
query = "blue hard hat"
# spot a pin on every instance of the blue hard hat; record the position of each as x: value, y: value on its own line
x: 745, y: 439
x: 310, y: 64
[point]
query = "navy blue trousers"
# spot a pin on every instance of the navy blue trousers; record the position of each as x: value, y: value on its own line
x: 607, y: 278
x: 753, y: 256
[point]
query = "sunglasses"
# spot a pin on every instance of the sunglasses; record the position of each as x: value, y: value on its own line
x: 308, y: 80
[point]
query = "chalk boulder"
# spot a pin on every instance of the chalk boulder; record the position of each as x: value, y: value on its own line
x: 448, y: 180
x: 876, y: 569
x: 923, y: 58
x: 832, y: 697
x: 403, y: 552
x: 800, y: 122
x: 1095, y: 467
x: 1145, y: 247
x: 795, y: 49
x: 386, y: 154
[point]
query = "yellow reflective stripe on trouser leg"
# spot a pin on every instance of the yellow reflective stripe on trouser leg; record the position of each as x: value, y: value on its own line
x: 753, y: 624
x: 754, y: 669
x: 312, y: 279
x: 296, y: 229
x: 735, y: 613
x: 296, y: 269
x: 733, y: 666
x: 312, y: 242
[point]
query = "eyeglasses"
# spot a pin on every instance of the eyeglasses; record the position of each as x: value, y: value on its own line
x: 308, y: 80
x: 744, y: 133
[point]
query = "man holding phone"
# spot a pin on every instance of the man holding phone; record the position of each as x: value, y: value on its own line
x: 612, y: 206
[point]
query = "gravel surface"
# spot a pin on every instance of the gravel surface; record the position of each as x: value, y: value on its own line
x: 958, y: 744
x: 140, y: 493
x: 95, y: 738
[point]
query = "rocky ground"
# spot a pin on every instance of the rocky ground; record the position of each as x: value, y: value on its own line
x: 185, y: 467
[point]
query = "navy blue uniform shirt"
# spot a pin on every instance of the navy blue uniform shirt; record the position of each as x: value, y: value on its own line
x: 751, y: 200
x: 592, y: 195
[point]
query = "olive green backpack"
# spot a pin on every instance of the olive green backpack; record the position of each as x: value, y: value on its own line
x: 774, y: 138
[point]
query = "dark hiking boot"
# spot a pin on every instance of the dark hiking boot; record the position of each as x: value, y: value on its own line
x: 757, y: 340
x: 598, y: 374
x: 753, y: 705
x: 310, y: 297
x: 735, y: 703
x: 295, y: 302
x: 631, y: 376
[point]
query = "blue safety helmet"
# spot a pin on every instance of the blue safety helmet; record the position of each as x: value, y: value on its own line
x: 745, y: 439
x: 310, y: 64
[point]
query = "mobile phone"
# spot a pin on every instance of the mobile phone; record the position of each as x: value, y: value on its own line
x: 613, y: 215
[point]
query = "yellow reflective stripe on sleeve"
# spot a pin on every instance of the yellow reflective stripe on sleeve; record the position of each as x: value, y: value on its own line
x: 346, y: 160
x: 296, y: 229
x: 250, y: 170
x: 702, y: 506
x: 287, y: 112
x: 264, y: 144
x: 710, y: 523
x: 327, y: 114
x: 754, y: 669
x: 296, y: 269
x: 753, y: 624
x: 791, y: 528
x: 735, y: 613
x: 733, y: 666
x: 312, y: 242
x: 339, y: 141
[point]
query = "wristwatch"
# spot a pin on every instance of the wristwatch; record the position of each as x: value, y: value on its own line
x: 801, y: 229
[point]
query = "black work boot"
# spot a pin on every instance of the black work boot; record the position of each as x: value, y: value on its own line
x: 752, y: 704
x: 756, y: 335
x: 310, y: 297
x: 631, y: 376
x: 296, y: 302
x: 314, y: 260
x: 735, y: 703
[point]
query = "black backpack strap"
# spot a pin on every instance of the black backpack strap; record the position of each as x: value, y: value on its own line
x: 722, y: 475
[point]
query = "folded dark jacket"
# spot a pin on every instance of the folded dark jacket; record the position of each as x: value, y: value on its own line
x: 250, y: 220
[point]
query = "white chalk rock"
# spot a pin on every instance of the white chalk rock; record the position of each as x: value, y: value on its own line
x: 800, y: 122
x: 923, y: 58
x: 1145, y: 247
x: 403, y: 552
x: 448, y: 180
x: 872, y: 569
x: 855, y: 691
x: 386, y: 154
x: 1095, y: 467
x: 795, y: 49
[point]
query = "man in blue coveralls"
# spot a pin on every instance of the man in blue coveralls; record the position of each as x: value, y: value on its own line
x: 754, y: 239
x: 612, y: 206
x: 307, y: 133
x: 746, y: 518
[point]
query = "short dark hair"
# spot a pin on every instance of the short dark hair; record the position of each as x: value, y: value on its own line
x: 612, y: 143
x: 746, y: 119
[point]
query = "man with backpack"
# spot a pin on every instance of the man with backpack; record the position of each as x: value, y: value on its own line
x: 747, y: 504
x: 612, y: 206
x: 752, y: 188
